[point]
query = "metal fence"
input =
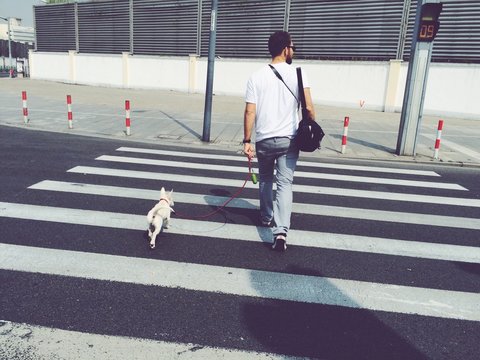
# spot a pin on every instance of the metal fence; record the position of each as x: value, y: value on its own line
x: 321, y: 29
x: 19, y: 50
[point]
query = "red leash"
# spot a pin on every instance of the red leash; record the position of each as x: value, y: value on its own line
x: 250, y: 175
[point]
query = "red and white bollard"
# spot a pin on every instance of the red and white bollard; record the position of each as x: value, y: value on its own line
x: 437, y: 141
x: 25, y: 109
x: 345, y: 133
x: 127, y: 116
x: 70, y: 114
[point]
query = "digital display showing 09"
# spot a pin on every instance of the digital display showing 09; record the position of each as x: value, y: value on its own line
x: 427, y: 30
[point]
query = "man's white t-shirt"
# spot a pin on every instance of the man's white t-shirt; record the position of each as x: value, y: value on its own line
x: 276, y: 108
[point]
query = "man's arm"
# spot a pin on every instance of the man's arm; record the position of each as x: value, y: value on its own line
x: 309, y: 103
x: 248, y: 122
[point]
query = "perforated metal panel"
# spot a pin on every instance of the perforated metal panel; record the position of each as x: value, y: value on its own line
x: 321, y: 29
x: 165, y: 27
x: 104, y: 27
x: 55, y: 27
x: 458, y: 38
x: 243, y: 26
x: 354, y: 29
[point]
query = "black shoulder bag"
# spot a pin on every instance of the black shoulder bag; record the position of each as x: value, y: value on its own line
x: 309, y: 133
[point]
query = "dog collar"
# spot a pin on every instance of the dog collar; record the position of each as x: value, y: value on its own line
x: 168, y: 203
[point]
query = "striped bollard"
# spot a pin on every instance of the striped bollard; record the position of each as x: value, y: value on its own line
x: 25, y: 109
x: 69, y: 108
x: 127, y: 116
x: 437, y: 141
x: 345, y: 133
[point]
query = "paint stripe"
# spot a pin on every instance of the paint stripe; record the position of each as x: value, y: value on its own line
x: 458, y: 148
x: 321, y: 190
x: 299, y: 163
x: 243, y: 282
x: 301, y: 174
x: 243, y: 203
x: 245, y: 233
x: 44, y: 343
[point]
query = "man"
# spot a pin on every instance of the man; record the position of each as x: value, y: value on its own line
x: 272, y: 106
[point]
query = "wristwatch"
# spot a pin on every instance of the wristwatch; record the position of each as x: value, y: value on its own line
x: 247, y: 141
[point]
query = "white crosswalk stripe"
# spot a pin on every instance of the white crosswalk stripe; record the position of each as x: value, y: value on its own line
x: 312, y: 209
x: 298, y: 174
x: 245, y: 232
x: 234, y: 281
x: 44, y: 341
x: 171, y: 167
x: 297, y: 188
x: 316, y: 165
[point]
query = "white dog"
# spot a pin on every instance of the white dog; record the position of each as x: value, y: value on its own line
x: 159, y: 216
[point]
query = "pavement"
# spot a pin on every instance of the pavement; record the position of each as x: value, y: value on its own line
x: 176, y: 119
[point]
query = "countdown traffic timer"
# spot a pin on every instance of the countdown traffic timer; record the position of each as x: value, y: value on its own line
x: 429, y: 23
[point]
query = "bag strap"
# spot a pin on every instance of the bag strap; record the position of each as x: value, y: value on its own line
x: 301, y: 93
x: 281, y: 79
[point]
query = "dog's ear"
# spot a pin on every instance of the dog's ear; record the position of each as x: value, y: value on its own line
x: 170, y: 195
x: 162, y: 192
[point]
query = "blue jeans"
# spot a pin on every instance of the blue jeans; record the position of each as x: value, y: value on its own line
x: 282, y: 154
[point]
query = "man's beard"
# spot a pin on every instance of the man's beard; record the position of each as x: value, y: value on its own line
x: 289, y: 60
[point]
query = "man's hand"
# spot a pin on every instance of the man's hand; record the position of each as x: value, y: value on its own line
x: 248, y: 150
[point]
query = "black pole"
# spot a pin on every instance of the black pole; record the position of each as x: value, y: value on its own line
x: 207, y: 115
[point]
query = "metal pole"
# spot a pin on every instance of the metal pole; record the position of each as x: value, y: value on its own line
x: 403, y: 29
x: 9, y: 49
x: 207, y: 115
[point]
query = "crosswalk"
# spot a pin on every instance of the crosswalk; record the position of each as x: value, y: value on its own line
x: 357, y: 215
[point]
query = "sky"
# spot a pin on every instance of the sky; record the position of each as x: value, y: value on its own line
x: 19, y: 8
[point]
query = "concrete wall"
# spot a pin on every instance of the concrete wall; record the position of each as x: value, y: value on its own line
x: 452, y: 89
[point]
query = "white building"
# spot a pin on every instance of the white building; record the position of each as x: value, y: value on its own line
x: 19, y: 33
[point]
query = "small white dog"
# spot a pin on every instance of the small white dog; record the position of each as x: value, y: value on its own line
x: 159, y: 216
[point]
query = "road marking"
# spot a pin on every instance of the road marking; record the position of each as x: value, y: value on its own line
x: 243, y: 203
x: 459, y: 148
x: 311, y: 175
x: 297, y: 188
x: 243, y: 282
x: 299, y: 163
x: 250, y: 233
x: 51, y: 343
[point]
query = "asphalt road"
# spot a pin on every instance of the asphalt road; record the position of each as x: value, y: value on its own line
x: 376, y: 244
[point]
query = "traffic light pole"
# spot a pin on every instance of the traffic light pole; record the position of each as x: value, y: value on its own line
x: 426, y: 27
